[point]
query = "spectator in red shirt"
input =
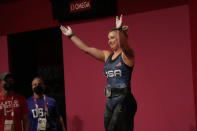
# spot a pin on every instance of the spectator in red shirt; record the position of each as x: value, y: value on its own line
x: 13, y: 107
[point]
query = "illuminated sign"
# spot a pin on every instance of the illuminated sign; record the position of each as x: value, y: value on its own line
x: 72, y: 10
x: 79, y: 6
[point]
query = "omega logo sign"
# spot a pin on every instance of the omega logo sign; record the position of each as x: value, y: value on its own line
x: 79, y: 6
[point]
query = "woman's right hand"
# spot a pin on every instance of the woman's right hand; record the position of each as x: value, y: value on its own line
x: 118, y: 21
x: 66, y: 31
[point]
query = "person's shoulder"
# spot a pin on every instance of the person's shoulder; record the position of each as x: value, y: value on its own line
x: 30, y: 98
x: 107, y: 53
x: 18, y: 96
x: 50, y: 99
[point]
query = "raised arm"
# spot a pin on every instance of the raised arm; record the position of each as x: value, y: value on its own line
x: 128, y: 54
x: 101, y: 55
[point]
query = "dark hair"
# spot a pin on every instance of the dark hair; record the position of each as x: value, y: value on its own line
x: 40, y: 78
x: 6, y: 75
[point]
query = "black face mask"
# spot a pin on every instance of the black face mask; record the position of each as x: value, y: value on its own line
x: 8, y: 86
x: 38, y: 90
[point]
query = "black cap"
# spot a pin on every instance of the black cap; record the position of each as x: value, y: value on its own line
x: 5, y: 75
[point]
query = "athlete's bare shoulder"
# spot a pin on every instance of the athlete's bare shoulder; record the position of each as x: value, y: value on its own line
x: 106, y: 53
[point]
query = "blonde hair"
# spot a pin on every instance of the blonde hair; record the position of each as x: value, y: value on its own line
x: 124, y: 29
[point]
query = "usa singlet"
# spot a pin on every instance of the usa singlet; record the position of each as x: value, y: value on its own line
x: 118, y: 75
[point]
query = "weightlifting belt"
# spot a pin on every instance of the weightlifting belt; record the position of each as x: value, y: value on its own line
x: 111, y: 92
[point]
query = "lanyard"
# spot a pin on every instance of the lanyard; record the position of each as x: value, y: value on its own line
x: 5, y: 106
x: 45, y: 105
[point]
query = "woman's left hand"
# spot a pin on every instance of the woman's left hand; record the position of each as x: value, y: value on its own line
x: 118, y: 21
x: 66, y: 31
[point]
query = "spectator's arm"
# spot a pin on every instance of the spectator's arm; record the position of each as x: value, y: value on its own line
x: 25, y: 123
x: 62, y: 123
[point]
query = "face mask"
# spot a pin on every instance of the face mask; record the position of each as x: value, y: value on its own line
x: 8, y: 86
x: 38, y: 90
